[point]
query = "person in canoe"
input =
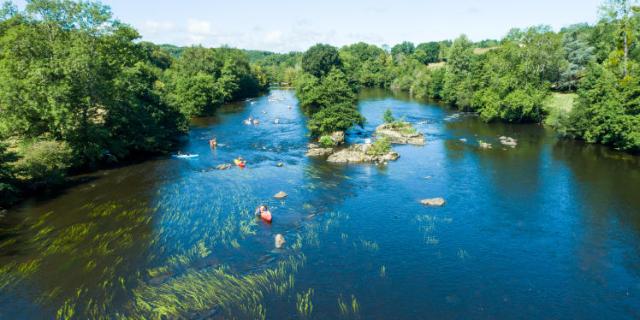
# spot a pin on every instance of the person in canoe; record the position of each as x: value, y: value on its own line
x: 213, y: 143
x: 263, y: 212
x: 240, y: 162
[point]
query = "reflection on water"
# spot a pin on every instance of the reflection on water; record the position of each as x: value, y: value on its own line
x: 549, y: 229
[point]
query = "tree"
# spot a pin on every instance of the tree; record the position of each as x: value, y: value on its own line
x: 578, y: 53
x: 320, y: 59
x: 457, y: 83
x: 316, y: 94
x: 428, y: 52
x: 403, y: 49
x: 338, y: 117
x: 366, y: 65
x: 620, y: 14
x: 601, y: 114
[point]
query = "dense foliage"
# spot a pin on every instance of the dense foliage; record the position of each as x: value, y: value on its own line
x: 77, y: 90
x: 202, y: 79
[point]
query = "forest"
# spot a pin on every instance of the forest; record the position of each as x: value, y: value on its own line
x: 80, y: 90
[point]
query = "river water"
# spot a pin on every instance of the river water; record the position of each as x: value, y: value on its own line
x: 549, y: 229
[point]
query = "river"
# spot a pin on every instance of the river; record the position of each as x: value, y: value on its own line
x: 549, y: 229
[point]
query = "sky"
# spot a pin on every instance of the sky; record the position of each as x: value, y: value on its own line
x: 295, y: 25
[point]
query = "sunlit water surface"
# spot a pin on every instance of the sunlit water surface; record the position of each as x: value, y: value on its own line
x: 550, y: 229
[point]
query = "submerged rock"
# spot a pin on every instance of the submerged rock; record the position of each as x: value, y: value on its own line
x: 400, y: 133
x: 358, y: 154
x: 279, y: 241
x: 484, y: 145
x: 224, y: 166
x: 435, y: 202
x: 280, y: 164
x: 281, y: 195
x: 508, y: 141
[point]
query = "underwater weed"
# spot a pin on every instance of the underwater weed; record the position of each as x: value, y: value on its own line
x: 304, y: 304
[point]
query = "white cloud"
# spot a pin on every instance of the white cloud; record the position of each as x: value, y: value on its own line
x: 298, y: 36
x: 273, y: 36
x: 200, y: 27
x: 154, y: 27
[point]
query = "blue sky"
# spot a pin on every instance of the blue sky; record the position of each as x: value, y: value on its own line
x: 285, y: 25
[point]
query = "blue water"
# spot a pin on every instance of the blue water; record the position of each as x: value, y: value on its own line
x: 549, y: 229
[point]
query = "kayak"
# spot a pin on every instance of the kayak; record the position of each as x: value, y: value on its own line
x: 185, y: 156
x: 240, y: 163
x: 266, y: 216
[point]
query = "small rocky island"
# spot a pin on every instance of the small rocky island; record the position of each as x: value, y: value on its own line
x: 400, y: 132
x: 365, y: 153
x: 376, y: 152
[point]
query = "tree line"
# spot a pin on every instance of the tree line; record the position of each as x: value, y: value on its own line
x: 510, y: 80
x: 78, y: 90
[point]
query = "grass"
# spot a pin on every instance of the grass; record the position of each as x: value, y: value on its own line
x: 480, y: 51
x: 436, y: 65
x: 557, y: 106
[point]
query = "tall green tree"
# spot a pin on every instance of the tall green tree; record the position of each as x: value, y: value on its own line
x: 320, y: 59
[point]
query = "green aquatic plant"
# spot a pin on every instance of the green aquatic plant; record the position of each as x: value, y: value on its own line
x: 383, y: 271
x: 432, y: 240
x: 342, y: 306
x: 216, y: 288
x: 369, y: 245
x: 304, y: 305
x: 355, y: 306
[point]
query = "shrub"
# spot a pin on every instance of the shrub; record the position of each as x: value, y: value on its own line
x: 380, y: 147
x: 339, y: 117
x: 326, y: 142
x: 388, y: 116
x: 44, y: 162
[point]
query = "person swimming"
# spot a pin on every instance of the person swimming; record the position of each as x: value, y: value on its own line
x: 213, y: 143
x: 263, y: 212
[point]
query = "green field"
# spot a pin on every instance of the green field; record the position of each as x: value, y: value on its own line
x: 557, y: 106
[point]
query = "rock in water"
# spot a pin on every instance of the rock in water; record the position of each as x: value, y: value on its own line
x: 279, y: 241
x: 280, y: 165
x: 316, y: 150
x: 484, y: 145
x: 358, y: 154
x: 338, y: 137
x: 435, y: 202
x: 224, y: 166
x: 280, y: 195
x: 508, y: 141
x: 400, y: 133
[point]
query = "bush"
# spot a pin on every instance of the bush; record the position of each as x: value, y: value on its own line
x: 380, y: 147
x: 326, y: 142
x: 339, y: 117
x: 44, y: 162
x: 388, y: 116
